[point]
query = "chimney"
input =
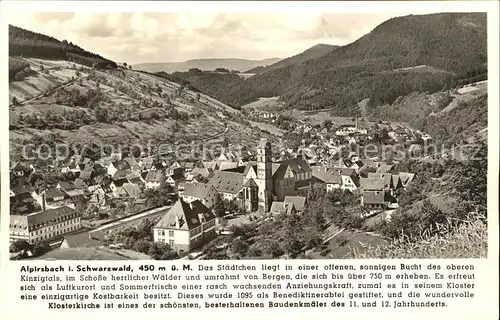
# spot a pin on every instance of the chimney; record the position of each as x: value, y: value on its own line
x: 177, y: 223
x: 44, y: 201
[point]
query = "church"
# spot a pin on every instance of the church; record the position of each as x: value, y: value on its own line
x: 258, y: 184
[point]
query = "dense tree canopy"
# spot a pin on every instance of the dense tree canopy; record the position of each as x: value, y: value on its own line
x: 31, y: 44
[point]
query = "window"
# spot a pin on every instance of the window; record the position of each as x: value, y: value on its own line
x: 170, y: 234
x: 171, y: 242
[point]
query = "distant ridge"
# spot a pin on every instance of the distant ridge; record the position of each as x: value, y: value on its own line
x: 205, y: 64
x: 312, y: 53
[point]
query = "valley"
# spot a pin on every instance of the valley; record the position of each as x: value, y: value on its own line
x: 358, y: 144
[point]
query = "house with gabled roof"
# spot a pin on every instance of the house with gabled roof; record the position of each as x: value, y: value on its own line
x: 53, y: 195
x: 154, y: 179
x: 85, y: 175
x: 299, y: 203
x: 374, y: 200
x: 22, y: 200
x: 137, y: 179
x: 174, y: 180
x: 186, y: 226
x: 115, y: 184
x: 330, y: 179
x: 117, y: 166
x: 175, y: 169
x: 73, y: 192
x: 99, y: 198
x: 207, y: 194
x: 280, y: 207
x: 80, y: 184
x: 387, y: 178
x: 406, y: 178
x: 128, y: 191
x: 146, y: 164
x: 384, y: 168
x: 349, y: 176
x: 18, y: 169
x: 372, y: 184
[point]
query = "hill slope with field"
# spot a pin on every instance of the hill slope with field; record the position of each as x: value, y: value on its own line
x: 56, y: 100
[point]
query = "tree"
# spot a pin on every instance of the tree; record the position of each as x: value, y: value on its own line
x: 239, y: 247
x: 470, y: 179
x: 218, y: 207
x: 20, y: 245
x: 291, y: 241
x: 102, y: 115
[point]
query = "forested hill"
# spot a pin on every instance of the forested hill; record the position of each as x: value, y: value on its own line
x: 400, y: 56
x: 317, y: 51
x: 35, y: 45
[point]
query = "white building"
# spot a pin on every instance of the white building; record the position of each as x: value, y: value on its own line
x: 45, y: 225
x: 186, y: 226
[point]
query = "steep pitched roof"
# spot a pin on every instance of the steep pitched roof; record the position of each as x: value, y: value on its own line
x: 406, y: 177
x: 212, y: 165
x: 54, y: 193
x: 250, y: 183
x: 374, y: 197
x: 200, y: 171
x: 372, y: 184
x: 384, y: 168
x: 281, y: 207
x: 227, y: 165
x: 186, y: 215
x: 154, y: 176
x: 66, y: 186
x: 298, y: 202
x: 344, y: 171
x: 326, y: 176
x: 81, y: 240
x: 132, y: 190
x: 120, y: 182
x: 227, y: 182
x: 386, y: 177
x: 196, y: 190
x: 121, y: 174
x: 80, y: 184
x: 121, y: 165
x: 85, y: 175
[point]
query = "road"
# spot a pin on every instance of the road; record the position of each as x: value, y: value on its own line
x: 148, y: 214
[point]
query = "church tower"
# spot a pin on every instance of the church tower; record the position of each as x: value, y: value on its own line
x: 264, y: 174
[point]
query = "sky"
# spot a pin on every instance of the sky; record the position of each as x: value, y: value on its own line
x: 174, y: 36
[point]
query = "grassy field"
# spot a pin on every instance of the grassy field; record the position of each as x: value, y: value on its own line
x: 466, y: 94
x: 140, y: 87
x: 318, y: 117
x: 263, y: 103
x: 269, y: 127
